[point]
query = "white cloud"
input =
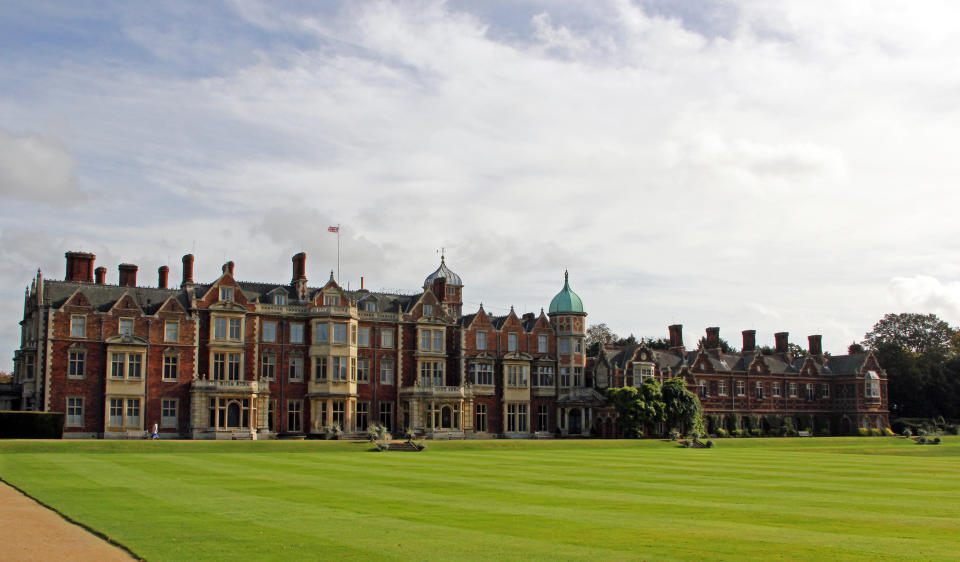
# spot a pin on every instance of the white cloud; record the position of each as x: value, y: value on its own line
x: 922, y: 293
x: 37, y: 168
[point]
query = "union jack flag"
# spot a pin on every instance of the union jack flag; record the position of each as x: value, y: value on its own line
x: 333, y: 229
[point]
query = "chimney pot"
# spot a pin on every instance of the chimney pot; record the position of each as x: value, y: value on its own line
x: 713, y: 338
x: 101, y: 274
x: 80, y: 266
x: 128, y: 274
x: 299, y: 267
x: 163, y: 273
x: 782, y: 340
x: 749, y: 340
x: 187, y: 270
x: 228, y: 268
x: 816, y: 345
x: 676, y: 337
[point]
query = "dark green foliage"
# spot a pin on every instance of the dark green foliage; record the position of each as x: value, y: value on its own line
x: 709, y: 444
x: 638, y: 408
x: 683, y: 409
x: 733, y: 422
x: 31, y: 425
x: 924, y: 385
x: 855, y: 348
x: 725, y: 346
x: 918, y: 333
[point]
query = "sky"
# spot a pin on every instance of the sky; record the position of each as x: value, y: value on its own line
x: 777, y: 166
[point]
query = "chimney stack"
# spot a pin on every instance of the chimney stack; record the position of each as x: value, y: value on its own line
x: 713, y: 339
x: 101, y: 274
x: 749, y: 340
x: 187, y: 270
x: 162, y: 274
x: 128, y: 275
x: 782, y: 341
x: 676, y: 337
x: 299, y: 267
x: 228, y: 268
x: 80, y: 266
x: 361, y: 283
x: 816, y: 347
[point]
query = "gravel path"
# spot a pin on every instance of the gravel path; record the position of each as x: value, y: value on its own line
x: 33, y: 532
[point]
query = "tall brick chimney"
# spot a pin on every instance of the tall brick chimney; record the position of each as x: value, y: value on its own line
x: 128, y: 275
x: 163, y: 272
x: 80, y: 266
x: 187, y: 270
x: 713, y: 339
x: 816, y: 347
x: 101, y: 274
x: 676, y: 337
x: 782, y: 339
x: 749, y: 340
x: 299, y: 267
x: 228, y: 268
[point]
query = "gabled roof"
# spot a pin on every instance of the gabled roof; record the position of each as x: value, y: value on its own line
x: 103, y: 297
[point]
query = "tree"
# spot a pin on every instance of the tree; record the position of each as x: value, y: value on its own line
x: 917, y: 333
x: 637, y: 408
x: 682, y: 407
x: 725, y: 346
x: 855, y: 349
x: 599, y: 335
x: 629, y: 340
x: 659, y: 343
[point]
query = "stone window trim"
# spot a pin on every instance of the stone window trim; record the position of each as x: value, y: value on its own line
x: 78, y: 326
x: 269, y: 331
x: 76, y: 362
x: 171, y: 365
x: 168, y: 406
x: 125, y: 364
x: 126, y: 326
x: 227, y: 294
x: 295, y: 332
x: 226, y: 328
x: 171, y: 331
x: 74, y: 411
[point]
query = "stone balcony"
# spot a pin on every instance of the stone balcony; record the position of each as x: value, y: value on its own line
x: 241, y: 387
x: 437, y: 391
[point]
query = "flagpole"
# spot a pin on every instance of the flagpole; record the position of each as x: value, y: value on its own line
x: 338, y: 253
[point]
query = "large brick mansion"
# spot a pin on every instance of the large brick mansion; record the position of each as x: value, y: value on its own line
x: 235, y: 359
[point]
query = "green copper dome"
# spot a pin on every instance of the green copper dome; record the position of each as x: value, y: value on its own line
x: 566, y: 300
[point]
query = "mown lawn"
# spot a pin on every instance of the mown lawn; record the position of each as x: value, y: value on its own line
x: 815, y: 498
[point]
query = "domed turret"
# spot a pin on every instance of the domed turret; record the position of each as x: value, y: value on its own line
x: 566, y: 300
x: 447, y: 286
x: 443, y: 272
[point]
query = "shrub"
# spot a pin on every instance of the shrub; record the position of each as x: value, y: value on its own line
x: 876, y: 431
x: 952, y: 429
x: 907, y: 433
x: 709, y: 444
x: 921, y: 432
x: 31, y: 425
x: 738, y: 433
x: 722, y: 432
x: 922, y: 440
x: 863, y: 431
x: 756, y: 432
x: 887, y: 431
x: 686, y: 444
x: 823, y: 432
x: 674, y: 435
x: 936, y: 440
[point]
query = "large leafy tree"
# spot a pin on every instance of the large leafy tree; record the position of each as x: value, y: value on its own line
x: 638, y: 408
x: 682, y: 407
x: 599, y: 335
x: 917, y: 333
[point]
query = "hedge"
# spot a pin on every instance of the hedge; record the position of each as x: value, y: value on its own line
x: 31, y: 425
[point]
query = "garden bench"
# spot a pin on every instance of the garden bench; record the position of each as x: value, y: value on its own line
x: 803, y: 433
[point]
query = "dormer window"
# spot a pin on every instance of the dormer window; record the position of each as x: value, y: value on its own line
x: 542, y: 343
x: 226, y: 294
x: 126, y: 327
x: 78, y: 326
x: 428, y: 310
x: 481, y: 340
x: 331, y: 300
x: 280, y: 300
x: 370, y: 306
x: 512, y: 341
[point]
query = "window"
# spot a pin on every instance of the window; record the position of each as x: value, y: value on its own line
x: 116, y: 412
x: 280, y: 300
x: 481, y: 340
x: 722, y: 388
x: 578, y: 345
x: 542, y: 344
x: 338, y: 414
x: 517, y: 375
x: 133, y: 412
x: 427, y: 309
x: 125, y: 365
x: 811, y: 392
x: 871, y: 386
x: 168, y: 412
x: 322, y: 333
x: 74, y: 411
x: 353, y: 335
x: 703, y: 389
x: 758, y: 390
x: 226, y: 294
x: 270, y: 331
x: 578, y: 376
x: 233, y: 366
x: 364, y: 340
x: 219, y: 366
x: 235, y: 329
x: 363, y: 369
x: 776, y: 389
x: 824, y: 390
x: 268, y: 366
x: 171, y: 331
x: 76, y: 363
x: 641, y: 372
x: 220, y: 329
x: 363, y: 416
x: 171, y: 366
x: 481, y: 373
x: 565, y: 377
x: 226, y: 366
x: 544, y: 376
x: 78, y: 326
x: 126, y: 327
x: 295, y: 415
x: 481, y: 417
x: 338, y: 368
x: 793, y: 390
x: 431, y: 373
x: 543, y: 418
x: 741, y: 388
x: 386, y: 415
x: 296, y: 333
x: 431, y: 340
x: 512, y: 341
x: 517, y: 417
x: 386, y: 338
x: 320, y: 369
x: 386, y: 371
x: 28, y: 365
x: 296, y: 369
x: 331, y: 300
x: 370, y: 306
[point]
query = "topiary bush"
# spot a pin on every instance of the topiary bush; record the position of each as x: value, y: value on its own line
x: 756, y: 432
x: 936, y: 440
x: 907, y: 433
x: 31, y: 425
x: 709, y: 444
x: 922, y: 440
x: 863, y: 431
x: 722, y: 432
x: 887, y: 432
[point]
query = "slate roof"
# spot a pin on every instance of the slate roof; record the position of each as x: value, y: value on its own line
x: 103, y: 297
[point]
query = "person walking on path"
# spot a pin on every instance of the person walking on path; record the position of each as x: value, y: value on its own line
x: 153, y: 433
